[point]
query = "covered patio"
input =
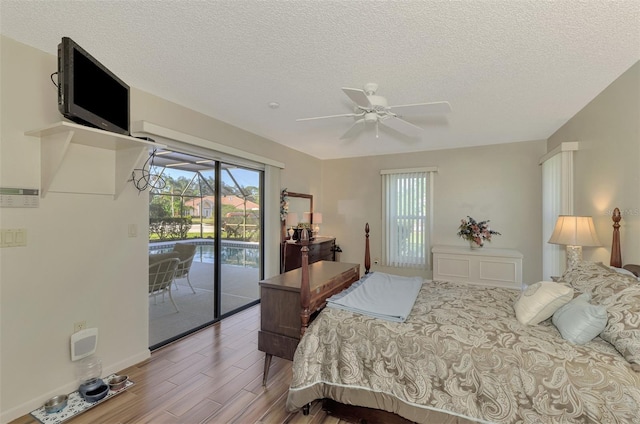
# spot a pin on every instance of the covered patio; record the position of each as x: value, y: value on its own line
x: 239, y: 287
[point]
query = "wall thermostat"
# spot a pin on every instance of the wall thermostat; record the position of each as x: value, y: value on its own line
x: 19, y: 197
x: 84, y: 343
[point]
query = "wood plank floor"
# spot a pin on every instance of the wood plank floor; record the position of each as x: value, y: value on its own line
x: 212, y: 376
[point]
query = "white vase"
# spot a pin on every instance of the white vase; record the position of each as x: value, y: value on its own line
x: 473, y: 245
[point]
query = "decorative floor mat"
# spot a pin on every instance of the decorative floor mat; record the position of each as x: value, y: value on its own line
x: 75, y: 405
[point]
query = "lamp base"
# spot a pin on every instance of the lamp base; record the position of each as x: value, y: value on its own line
x: 574, y: 255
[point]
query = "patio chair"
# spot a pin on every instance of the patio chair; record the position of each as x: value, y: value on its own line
x: 186, y: 252
x: 162, y: 270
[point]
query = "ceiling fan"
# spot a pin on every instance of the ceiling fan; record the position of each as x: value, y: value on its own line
x: 370, y: 108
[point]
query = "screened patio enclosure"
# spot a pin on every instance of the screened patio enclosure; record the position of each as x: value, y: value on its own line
x: 216, y: 207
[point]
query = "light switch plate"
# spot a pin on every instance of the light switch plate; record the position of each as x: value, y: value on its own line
x: 13, y: 237
x: 133, y: 230
x: 20, y: 237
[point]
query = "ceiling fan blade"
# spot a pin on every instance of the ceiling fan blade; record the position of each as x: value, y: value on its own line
x: 329, y: 116
x: 359, y: 97
x: 401, y: 126
x: 420, y: 108
x: 355, y: 129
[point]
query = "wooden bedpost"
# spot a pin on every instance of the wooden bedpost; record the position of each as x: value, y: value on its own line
x: 367, y: 254
x: 616, y: 256
x: 305, y: 291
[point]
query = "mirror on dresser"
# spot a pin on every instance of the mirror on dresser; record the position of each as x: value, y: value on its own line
x: 300, y: 209
x: 320, y: 248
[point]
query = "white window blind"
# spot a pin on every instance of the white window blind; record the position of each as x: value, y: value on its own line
x: 557, y: 199
x: 551, y: 254
x: 407, y: 217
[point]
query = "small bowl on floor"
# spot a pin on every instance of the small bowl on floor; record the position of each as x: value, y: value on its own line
x: 117, y: 382
x: 56, y: 404
x: 93, y: 390
x: 96, y: 394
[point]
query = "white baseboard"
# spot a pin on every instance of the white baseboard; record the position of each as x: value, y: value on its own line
x: 27, y: 407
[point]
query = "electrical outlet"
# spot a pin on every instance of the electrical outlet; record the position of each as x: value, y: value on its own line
x: 79, y: 326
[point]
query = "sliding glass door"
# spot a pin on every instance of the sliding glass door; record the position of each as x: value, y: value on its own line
x: 241, y: 225
x: 215, y: 207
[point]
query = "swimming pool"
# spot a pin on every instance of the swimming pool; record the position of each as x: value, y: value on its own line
x: 243, y: 254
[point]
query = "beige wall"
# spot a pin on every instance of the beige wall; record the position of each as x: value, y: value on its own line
x: 79, y: 263
x: 302, y: 172
x: 500, y: 182
x: 606, y: 167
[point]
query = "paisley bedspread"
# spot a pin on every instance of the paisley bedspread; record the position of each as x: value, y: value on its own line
x: 463, y: 352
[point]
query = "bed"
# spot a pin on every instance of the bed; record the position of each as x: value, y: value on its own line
x: 463, y: 355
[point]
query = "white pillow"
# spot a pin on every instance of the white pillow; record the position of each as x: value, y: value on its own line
x: 579, y: 321
x: 540, y: 300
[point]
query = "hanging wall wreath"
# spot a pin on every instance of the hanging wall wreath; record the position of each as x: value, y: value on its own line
x: 284, y: 204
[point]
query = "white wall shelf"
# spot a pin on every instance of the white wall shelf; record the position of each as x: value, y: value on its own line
x: 484, y: 266
x: 57, y: 138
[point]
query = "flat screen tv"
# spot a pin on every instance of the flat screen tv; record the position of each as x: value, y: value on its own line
x: 88, y: 92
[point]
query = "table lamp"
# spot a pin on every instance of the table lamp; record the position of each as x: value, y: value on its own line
x: 317, y: 219
x: 291, y: 222
x: 574, y: 232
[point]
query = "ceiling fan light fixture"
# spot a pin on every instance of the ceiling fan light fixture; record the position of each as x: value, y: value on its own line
x: 371, y: 117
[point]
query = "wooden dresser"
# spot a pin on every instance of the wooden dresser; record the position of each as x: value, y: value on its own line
x: 320, y: 249
x: 280, y: 321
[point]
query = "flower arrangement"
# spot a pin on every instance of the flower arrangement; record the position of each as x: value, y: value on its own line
x: 284, y: 204
x: 477, y: 232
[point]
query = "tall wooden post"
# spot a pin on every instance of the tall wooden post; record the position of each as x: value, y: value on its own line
x: 305, y: 292
x: 367, y: 255
x: 616, y: 256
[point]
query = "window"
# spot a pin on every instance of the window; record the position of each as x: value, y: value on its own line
x: 557, y: 199
x: 407, y: 211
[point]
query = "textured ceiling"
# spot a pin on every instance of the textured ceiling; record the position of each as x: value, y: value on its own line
x: 511, y: 70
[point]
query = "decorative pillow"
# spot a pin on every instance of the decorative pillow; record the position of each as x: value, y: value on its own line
x: 634, y: 269
x: 623, y: 328
x: 540, y: 300
x: 630, y: 270
x: 579, y: 321
x: 597, y: 279
x: 623, y: 271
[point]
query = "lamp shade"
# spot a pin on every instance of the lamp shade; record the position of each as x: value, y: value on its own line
x: 575, y: 231
x: 317, y: 217
x: 292, y: 219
